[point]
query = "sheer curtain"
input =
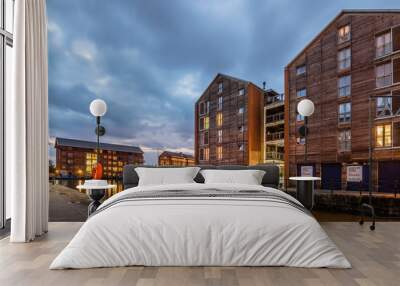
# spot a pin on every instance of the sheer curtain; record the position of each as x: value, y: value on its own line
x: 27, y: 124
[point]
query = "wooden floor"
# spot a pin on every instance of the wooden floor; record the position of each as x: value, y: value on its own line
x: 375, y: 257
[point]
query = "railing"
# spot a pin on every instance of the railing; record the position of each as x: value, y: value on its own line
x: 275, y: 136
x: 276, y: 98
x: 274, y: 117
x: 274, y: 156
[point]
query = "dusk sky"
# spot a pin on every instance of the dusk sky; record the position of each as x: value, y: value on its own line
x: 151, y: 60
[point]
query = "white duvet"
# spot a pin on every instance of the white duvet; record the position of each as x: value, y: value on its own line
x: 202, y: 232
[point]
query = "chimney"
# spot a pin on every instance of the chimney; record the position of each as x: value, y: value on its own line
x: 264, y: 83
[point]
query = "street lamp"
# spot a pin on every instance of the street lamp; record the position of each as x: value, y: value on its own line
x: 98, y: 108
x: 305, y: 108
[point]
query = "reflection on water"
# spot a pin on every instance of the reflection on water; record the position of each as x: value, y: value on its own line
x: 72, y: 183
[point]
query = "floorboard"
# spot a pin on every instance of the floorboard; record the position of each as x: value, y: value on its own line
x: 375, y: 257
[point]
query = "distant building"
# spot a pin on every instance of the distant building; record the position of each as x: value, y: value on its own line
x: 168, y: 158
x: 229, y: 123
x: 77, y: 158
x: 274, y: 125
x: 349, y: 70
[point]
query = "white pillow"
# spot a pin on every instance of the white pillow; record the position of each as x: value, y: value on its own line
x: 248, y: 177
x: 166, y: 176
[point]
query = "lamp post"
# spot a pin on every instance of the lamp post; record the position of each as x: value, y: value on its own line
x: 305, y: 108
x: 98, y: 108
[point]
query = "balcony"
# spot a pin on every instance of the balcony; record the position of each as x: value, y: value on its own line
x: 275, y: 136
x: 274, y: 101
x: 274, y: 156
x: 275, y: 119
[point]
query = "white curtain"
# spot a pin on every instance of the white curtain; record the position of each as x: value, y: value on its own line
x: 27, y: 123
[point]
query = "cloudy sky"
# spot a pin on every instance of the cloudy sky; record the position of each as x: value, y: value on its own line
x: 150, y: 60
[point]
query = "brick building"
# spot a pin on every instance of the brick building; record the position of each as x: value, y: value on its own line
x: 168, y: 158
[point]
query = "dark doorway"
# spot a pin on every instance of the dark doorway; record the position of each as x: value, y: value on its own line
x: 389, y: 176
x: 331, y: 176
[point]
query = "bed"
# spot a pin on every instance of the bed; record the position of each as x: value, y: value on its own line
x: 197, y: 224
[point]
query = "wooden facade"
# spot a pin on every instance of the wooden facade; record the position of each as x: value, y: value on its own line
x: 229, y: 123
x: 343, y: 72
x: 77, y: 158
x: 168, y: 158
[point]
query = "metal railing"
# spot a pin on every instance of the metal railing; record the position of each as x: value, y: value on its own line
x: 274, y: 155
x: 274, y: 117
x: 275, y: 136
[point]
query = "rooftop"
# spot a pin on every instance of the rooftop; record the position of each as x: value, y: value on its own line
x: 66, y: 142
x: 177, y: 154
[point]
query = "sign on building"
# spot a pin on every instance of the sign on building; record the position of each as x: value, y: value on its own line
x: 354, y: 173
x: 307, y: 171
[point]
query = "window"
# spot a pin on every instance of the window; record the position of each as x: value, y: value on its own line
x: 344, y: 59
x: 204, y: 123
x: 220, y: 100
x: 204, y: 154
x: 301, y: 92
x: 241, y: 91
x: 219, y: 136
x: 204, y: 138
x: 383, y: 44
x: 383, y: 106
x: 345, y: 140
x: 242, y: 128
x: 241, y: 110
x: 301, y: 70
x: 6, y: 63
x: 344, y: 34
x: 220, y: 87
x: 383, y: 75
x: 219, y: 152
x: 219, y: 119
x: 204, y: 107
x: 301, y: 140
x: 384, y: 135
x: 299, y: 117
x: 344, y: 85
x: 241, y: 147
x: 345, y: 112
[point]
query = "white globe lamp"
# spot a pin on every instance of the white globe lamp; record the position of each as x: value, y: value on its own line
x: 98, y: 107
x: 305, y: 107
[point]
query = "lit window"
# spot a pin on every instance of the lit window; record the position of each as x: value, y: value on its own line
x: 345, y: 140
x: 241, y: 91
x: 219, y: 119
x: 220, y: 100
x: 344, y: 85
x: 301, y: 92
x: 383, y: 44
x: 204, y: 154
x: 344, y: 59
x: 204, y: 123
x: 384, y: 75
x: 383, y: 106
x: 219, y: 152
x: 241, y: 110
x: 345, y: 112
x: 344, y: 34
x: 301, y: 70
x: 220, y: 87
x: 384, y: 135
x: 204, y: 107
x: 220, y: 136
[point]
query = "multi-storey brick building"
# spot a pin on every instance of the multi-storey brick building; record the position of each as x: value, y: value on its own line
x: 229, y: 123
x: 168, y: 158
x: 77, y: 158
x: 350, y: 70
x: 274, y: 128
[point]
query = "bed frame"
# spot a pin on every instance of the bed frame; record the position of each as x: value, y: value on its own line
x: 270, y: 179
